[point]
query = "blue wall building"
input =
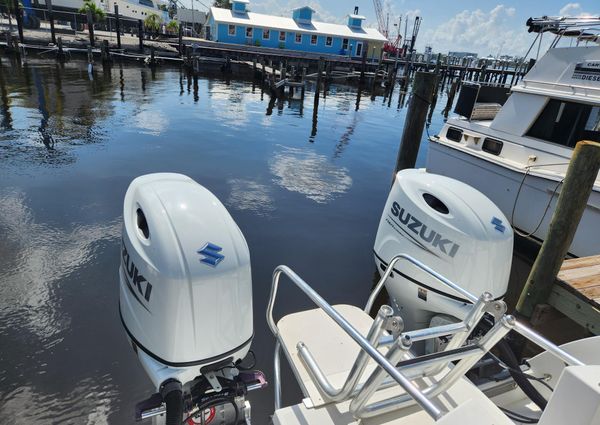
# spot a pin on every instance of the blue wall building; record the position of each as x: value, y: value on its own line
x: 299, y: 32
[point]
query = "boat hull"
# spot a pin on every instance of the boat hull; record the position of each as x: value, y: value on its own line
x: 526, y: 209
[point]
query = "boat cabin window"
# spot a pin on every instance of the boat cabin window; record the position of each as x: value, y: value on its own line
x: 492, y: 146
x: 146, y: 3
x: 566, y: 123
x: 454, y: 134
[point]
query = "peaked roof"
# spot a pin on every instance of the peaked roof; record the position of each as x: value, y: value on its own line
x: 288, y: 24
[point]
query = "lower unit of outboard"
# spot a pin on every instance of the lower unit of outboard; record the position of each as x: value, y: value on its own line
x: 186, y: 301
x: 452, y: 228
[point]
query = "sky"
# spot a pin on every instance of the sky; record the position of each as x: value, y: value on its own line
x: 481, y: 26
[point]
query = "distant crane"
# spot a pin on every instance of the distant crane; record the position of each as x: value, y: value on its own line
x: 383, y: 21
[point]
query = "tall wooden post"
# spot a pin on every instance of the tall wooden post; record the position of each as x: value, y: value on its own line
x: 51, y: 19
x: 422, y: 94
x: 90, y: 22
x: 180, y: 40
x: 19, y: 16
x: 141, y: 34
x: 118, y: 25
x: 363, y: 65
x: 572, y: 201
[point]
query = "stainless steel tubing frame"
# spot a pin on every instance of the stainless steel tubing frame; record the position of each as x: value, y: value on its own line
x: 379, y: 358
x: 500, y: 329
x: 332, y: 394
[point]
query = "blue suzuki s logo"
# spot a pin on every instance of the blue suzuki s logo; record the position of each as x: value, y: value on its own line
x: 211, y: 253
x: 498, y: 224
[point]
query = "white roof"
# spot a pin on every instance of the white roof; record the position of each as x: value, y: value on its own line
x: 288, y: 24
x: 304, y: 7
x: 353, y: 16
x: 241, y: 1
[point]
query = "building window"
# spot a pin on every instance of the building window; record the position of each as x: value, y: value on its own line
x: 281, y: 35
x: 328, y: 41
x: 266, y: 34
x: 345, y: 44
x: 231, y: 30
x: 298, y: 38
x: 313, y: 40
x: 248, y: 32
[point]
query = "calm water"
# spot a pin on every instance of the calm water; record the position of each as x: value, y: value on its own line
x: 306, y: 188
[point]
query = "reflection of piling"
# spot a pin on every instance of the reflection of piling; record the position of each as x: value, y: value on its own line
x: 571, y: 204
x: 118, y: 25
x: 422, y: 93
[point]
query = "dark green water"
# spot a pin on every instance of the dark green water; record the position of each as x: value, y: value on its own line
x: 306, y: 187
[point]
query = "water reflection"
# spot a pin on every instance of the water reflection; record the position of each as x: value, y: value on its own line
x: 38, y: 255
x: 70, y: 146
x: 309, y: 174
x: 252, y: 196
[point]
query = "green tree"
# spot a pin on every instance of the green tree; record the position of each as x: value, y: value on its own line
x: 97, y: 13
x: 173, y: 27
x: 223, y: 4
x: 152, y: 23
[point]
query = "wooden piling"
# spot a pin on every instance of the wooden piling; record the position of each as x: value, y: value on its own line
x: 105, y: 52
x: 180, y: 41
x: 19, y: 16
x: 51, y: 19
x: 451, y: 95
x: 572, y: 201
x: 61, y: 53
x: 90, y: 23
x: 152, y: 59
x: 141, y: 34
x: 117, y: 25
x: 422, y: 94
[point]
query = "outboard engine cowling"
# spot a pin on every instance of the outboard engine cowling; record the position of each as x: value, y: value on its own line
x: 453, y: 229
x: 185, y: 281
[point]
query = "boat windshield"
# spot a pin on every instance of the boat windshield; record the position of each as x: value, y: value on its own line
x: 566, y: 123
x: 148, y: 3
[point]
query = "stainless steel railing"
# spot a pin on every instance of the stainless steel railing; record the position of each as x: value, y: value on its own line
x: 399, y: 363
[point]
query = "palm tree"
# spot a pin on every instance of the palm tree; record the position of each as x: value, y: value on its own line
x: 173, y: 27
x: 152, y: 23
x: 97, y: 13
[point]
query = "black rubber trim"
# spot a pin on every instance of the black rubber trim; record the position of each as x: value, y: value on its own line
x: 429, y: 288
x: 182, y: 364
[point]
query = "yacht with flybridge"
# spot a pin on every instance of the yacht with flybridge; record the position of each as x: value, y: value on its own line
x: 514, y: 144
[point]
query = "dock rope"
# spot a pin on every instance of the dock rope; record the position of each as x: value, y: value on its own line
x: 512, y: 216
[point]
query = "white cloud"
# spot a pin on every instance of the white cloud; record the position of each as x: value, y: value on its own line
x: 485, y: 32
x: 573, y: 9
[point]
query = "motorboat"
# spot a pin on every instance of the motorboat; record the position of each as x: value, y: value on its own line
x: 186, y: 306
x: 514, y: 144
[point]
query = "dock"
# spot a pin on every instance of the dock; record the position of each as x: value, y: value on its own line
x: 576, y: 292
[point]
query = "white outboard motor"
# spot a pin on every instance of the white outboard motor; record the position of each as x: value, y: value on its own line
x: 453, y: 229
x: 185, y: 296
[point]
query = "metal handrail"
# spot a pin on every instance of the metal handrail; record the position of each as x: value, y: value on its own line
x: 422, y: 266
x: 426, y: 404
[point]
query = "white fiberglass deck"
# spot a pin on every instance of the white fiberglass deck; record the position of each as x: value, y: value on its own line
x: 335, y: 353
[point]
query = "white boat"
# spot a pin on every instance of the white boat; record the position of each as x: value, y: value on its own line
x: 517, y: 152
x: 186, y: 305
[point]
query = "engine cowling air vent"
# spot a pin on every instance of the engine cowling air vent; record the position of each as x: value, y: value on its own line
x: 142, y: 224
x: 435, y: 203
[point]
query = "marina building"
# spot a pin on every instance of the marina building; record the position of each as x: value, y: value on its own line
x: 238, y: 25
